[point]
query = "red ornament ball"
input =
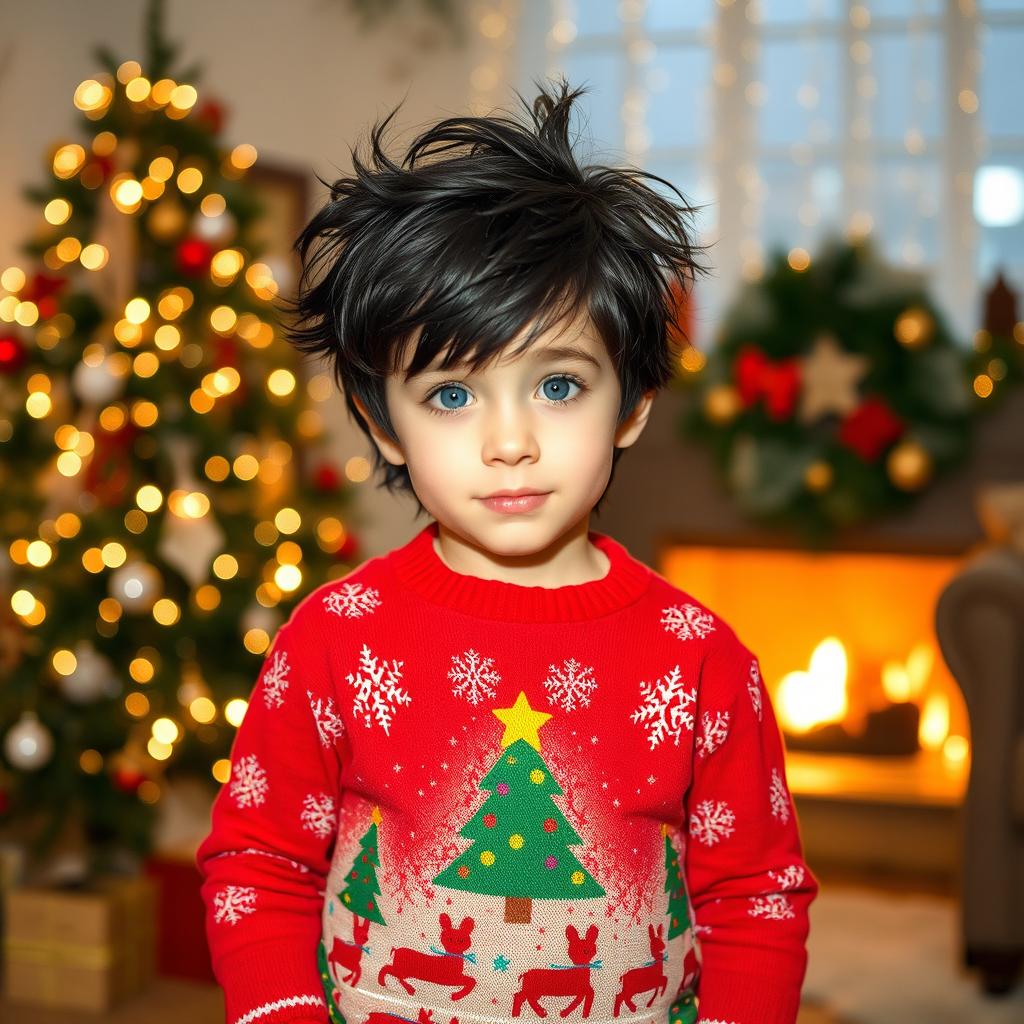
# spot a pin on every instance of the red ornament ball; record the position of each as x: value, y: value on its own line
x: 194, y: 256
x: 12, y: 355
x: 550, y: 825
x: 326, y: 478
x: 463, y: 871
x: 211, y: 114
x: 348, y: 550
x: 490, y: 820
x: 127, y: 780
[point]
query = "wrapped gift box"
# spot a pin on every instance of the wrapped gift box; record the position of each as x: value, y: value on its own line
x: 84, y: 948
x: 182, y: 950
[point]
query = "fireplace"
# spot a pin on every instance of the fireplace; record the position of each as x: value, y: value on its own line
x: 875, y: 726
x: 846, y: 642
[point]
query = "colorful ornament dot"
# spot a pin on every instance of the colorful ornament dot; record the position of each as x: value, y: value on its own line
x: 487, y: 858
x: 515, y: 841
x: 536, y: 776
x: 550, y: 825
x: 490, y: 820
x: 463, y: 871
x: 550, y: 861
x: 345, y: 896
x: 577, y: 878
x: 502, y: 789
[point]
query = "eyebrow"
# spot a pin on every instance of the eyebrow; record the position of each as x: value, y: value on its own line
x: 549, y: 353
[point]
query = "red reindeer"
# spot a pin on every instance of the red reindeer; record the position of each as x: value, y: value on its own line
x: 348, y: 955
x: 647, y: 978
x: 425, y: 1017
x: 442, y: 968
x: 569, y: 981
x: 691, y: 968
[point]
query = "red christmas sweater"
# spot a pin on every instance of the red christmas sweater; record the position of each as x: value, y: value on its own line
x: 456, y: 800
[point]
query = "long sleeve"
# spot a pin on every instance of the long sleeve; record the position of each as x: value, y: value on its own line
x: 750, y: 885
x: 273, y: 827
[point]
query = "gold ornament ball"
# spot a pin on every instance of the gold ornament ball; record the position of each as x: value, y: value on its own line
x: 166, y: 220
x: 722, y: 404
x: 818, y: 476
x: 909, y: 466
x: 914, y: 328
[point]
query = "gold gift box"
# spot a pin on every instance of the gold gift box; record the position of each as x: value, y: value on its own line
x: 84, y: 949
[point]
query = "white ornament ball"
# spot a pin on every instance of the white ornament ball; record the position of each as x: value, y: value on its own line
x: 217, y: 229
x: 28, y: 743
x: 96, y: 384
x: 136, y: 585
x: 258, y: 617
x: 92, y: 677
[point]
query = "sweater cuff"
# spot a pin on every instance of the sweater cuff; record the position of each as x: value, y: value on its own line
x: 725, y: 997
x: 271, y: 983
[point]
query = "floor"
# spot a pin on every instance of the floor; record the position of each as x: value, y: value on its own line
x: 876, y: 955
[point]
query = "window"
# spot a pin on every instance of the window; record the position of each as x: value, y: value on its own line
x: 796, y: 118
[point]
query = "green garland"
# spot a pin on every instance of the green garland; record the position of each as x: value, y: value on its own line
x: 834, y: 393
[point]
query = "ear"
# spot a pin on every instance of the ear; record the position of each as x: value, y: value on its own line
x: 633, y: 427
x: 391, y: 451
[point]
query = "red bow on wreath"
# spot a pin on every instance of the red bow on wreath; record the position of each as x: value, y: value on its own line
x: 777, y: 383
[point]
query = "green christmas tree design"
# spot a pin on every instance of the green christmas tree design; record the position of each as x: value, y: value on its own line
x: 361, y: 892
x: 327, y: 982
x: 678, y: 905
x: 521, y: 839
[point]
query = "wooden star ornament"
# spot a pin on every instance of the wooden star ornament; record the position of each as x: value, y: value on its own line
x: 830, y: 377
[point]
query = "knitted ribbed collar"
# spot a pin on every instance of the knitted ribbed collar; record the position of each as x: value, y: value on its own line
x: 418, y: 566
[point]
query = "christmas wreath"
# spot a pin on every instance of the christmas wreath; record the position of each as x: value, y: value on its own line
x: 834, y: 392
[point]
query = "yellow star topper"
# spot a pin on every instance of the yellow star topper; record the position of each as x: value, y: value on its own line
x: 521, y: 722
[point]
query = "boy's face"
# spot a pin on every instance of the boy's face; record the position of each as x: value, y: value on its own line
x: 543, y: 420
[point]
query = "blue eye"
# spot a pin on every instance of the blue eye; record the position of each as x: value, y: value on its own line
x: 447, y: 392
x: 557, y: 395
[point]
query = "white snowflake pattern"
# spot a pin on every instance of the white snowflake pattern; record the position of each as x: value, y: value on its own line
x: 328, y: 724
x: 378, y: 690
x: 474, y: 676
x: 754, y: 688
x: 789, y: 878
x: 248, y: 782
x: 712, y: 821
x: 352, y: 600
x: 275, y: 679
x: 713, y: 732
x: 688, y: 621
x: 774, y: 907
x: 779, y: 797
x: 665, y: 710
x: 231, y: 903
x: 571, y: 685
x: 318, y: 814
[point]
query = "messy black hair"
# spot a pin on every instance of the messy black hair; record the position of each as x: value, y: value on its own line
x: 506, y: 231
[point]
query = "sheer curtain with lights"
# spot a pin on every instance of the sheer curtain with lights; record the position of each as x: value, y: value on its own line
x: 787, y: 119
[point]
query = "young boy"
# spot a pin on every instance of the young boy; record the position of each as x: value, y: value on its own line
x: 504, y: 770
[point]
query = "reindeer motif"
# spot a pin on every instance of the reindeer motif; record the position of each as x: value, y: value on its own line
x: 425, y: 1017
x: 647, y: 978
x: 348, y: 956
x: 570, y: 980
x: 443, y: 967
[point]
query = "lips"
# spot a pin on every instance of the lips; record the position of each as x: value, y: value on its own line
x: 521, y: 493
x: 525, y: 501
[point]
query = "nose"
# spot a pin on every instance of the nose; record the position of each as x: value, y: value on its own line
x: 509, y: 435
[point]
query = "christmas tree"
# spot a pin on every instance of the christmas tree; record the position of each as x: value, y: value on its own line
x: 361, y: 892
x: 159, y: 517
x: 521, y: 839
x: 678, y: 906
